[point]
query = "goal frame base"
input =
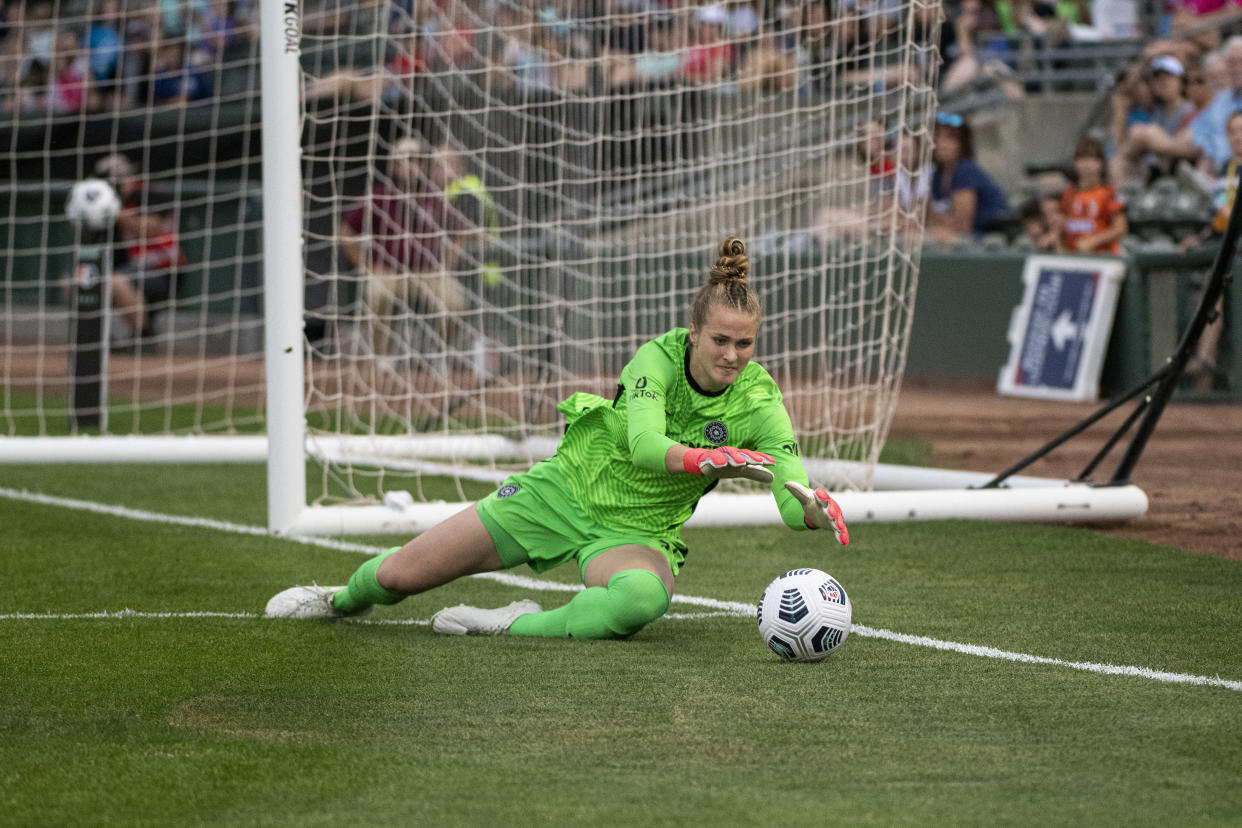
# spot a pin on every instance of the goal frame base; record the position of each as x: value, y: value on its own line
x: 898, y: 493
x: 1067, y: 504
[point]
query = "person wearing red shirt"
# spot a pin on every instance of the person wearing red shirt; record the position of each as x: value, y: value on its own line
x: 148, y: 253
x: 1095, y: 217
x: 402, y: 237
x: 710, y: 58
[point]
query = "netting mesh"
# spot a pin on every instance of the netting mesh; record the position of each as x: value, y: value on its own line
x: 174, y: 96
x: 617, y: 148
x: 502, y: 201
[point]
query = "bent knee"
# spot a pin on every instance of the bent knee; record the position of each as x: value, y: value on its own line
x: 638, y: 598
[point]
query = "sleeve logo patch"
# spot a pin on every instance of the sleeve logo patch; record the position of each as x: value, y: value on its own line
x: 716, y: 432
x: 508, y: 490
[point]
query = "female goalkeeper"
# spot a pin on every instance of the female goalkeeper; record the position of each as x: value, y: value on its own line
x: 690, y: 409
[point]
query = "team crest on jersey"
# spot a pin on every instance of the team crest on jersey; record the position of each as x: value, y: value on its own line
x: 507, y: 490
x: 716, y: 432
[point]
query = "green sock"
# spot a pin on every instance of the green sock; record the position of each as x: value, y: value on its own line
x: 632, y: 598
x: 364, y: 590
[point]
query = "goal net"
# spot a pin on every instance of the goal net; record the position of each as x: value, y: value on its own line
x: 163, y: 105
x: 460, y: 213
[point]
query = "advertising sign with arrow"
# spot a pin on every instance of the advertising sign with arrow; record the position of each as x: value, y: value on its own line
x: 1059, y: 333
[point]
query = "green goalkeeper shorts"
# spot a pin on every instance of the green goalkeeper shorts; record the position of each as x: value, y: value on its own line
x: 535, y: 520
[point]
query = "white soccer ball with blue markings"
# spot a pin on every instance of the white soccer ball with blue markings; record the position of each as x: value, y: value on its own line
x: 93, y: 203
x: 804, y: 615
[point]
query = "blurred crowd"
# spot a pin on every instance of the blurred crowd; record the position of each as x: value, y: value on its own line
x: 597, y: 47
x: 1157, y: 170
x: 82, y: 55
x: 1171, y: 106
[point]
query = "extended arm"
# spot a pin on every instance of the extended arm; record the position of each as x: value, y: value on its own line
x: 645, y: 381
x: 800, y: 506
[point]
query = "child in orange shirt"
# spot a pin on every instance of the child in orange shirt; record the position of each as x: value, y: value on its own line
x: 1095, y: 217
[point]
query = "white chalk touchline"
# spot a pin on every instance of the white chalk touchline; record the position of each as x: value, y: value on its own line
x: 118, y: 615
x: 723, y: 607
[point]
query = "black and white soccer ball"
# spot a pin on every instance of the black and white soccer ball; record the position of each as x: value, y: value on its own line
x: 93, y: 204
x: 804, y: 615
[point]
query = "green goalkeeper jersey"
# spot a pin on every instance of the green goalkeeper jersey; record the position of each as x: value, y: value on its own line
x: 613, y: 454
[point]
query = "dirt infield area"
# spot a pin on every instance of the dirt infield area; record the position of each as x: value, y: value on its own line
x: 1191, y: 468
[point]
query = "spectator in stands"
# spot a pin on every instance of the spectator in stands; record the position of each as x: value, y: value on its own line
x: 1053, y: 23
x: 107, y: 47
x: 984, y: 31
x: 1208, y: 128
x: 1041, y: 224
x: 1199, y: 89
x: 767, y: 67
x: 68, y: 84
x: 743, y: 19
x: 10, y: 54
x: 525, y: 55
x: 817, y: 39
x: 225, y: 27
x: 875, y: 153
x: 627, y: 33
x: 140, y: 32
x: 964, y: 201
x: 392, y: 84
x: 1215, y: 78
x: 1202, y: 367
x: 913, y: 181
x: 448, y: 39
x: 660, y: 64
x: 399, y: 236
x: 148, y: 255
x: 1149, y: 150
x: 710, y: 56
x: 1131, y: 103
x: 480, y: 222
x: 30, y: 45
x: 1095, y: 217
x: 572, y: 58
x: 173, y: 79
x: 1202, y: 14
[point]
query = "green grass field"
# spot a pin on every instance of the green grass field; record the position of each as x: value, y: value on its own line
x: 193, y: 710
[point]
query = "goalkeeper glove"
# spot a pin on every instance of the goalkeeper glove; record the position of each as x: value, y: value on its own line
x: 819, y: 510
x: 728, y: 461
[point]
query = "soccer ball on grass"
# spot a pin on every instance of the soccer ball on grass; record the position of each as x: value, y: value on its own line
x: 804, y: 615
x: 93, y: 204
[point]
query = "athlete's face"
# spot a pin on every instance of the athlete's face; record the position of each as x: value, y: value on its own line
x: 722, y: 347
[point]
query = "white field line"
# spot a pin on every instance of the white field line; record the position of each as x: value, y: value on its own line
x: 735, y: 608
x: 120, y: 615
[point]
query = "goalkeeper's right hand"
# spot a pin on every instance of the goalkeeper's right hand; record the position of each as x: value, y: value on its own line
x: 819, y: 510
x: 728, y: 461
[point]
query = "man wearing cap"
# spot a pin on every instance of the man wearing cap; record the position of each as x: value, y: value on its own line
x: 1151, y: 148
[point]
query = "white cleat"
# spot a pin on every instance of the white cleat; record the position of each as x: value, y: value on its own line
x: 311, y: 601
x: 464, y: 620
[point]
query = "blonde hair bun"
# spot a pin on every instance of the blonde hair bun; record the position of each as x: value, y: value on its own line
x: 732, y: 262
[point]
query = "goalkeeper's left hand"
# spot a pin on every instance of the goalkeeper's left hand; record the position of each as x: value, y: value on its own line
x: 819, y: 510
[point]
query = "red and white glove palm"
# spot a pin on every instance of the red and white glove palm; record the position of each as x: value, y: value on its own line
x: 728, y: 461
x: 820, y: 511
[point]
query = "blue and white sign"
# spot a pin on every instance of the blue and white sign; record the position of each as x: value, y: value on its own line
x: 1059, y: 334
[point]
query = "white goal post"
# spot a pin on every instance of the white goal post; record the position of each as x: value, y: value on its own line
x: 591, y: 163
